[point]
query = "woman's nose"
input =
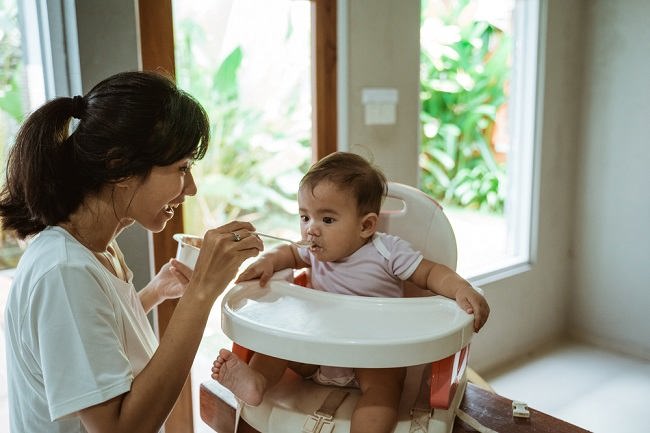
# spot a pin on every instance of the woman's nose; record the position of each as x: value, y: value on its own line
x: 190, y: 186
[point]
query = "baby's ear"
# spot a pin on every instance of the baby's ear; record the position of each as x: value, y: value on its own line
x: 369, y: 225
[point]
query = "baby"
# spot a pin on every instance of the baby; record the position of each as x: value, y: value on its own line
x: 339, y: 202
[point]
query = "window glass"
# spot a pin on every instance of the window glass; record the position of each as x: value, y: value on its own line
x: 256, y: 88
x: 475, y: 156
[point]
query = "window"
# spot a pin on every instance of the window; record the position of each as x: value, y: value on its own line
x: 478, y: 94
x: 256, y: 87
x: 22, y: 89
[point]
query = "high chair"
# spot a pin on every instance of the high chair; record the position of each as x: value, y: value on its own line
x: 430, y: 335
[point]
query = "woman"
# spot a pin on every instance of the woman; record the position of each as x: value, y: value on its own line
x: 81, y: 355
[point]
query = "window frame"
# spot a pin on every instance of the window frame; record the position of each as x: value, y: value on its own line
x: 522, y: 220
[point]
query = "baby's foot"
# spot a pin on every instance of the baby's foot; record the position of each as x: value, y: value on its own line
x: 233, y: 373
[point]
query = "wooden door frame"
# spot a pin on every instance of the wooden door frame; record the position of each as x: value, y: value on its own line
x: 324, y: 78
x: 157, y: 51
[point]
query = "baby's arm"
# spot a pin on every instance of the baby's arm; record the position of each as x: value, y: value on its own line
x: 282, y: 257
x: 444, y: 281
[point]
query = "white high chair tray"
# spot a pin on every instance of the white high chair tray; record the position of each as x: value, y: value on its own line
x: 305, y: 325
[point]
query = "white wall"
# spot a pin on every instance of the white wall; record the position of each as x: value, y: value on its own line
x: 383, y: 50
x: 611, y: 296
x: 109, y: 43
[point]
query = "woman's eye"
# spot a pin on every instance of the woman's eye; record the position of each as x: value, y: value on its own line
x: 328, y: 220
x: 186, y: 168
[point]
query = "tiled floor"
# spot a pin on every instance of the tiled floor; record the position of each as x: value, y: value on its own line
x: 600, y: 391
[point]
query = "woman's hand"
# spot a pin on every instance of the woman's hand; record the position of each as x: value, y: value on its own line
x: 172, y: 279
x: 223, y: 250
x: 169, y: 283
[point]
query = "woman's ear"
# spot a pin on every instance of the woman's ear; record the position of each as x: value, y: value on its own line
x: 125, y: 183
x: 369, y: 225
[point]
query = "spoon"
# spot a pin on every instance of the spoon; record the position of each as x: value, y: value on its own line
x: 299, y: 244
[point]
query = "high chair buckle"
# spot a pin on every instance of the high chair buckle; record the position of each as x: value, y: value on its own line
x: 322, y: 421
x: 318, y: 423
x: 420, y: 420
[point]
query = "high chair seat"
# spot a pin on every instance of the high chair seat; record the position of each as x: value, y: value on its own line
x: 431, y: 335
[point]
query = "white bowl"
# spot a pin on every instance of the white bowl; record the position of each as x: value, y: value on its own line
x: 187, y: 252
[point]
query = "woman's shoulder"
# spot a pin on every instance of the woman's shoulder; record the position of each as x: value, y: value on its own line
x: 54, y: 251
x: 54, y: 244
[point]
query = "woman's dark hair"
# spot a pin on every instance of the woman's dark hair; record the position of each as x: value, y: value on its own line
x: 349, y: 171
x: 128, y: 123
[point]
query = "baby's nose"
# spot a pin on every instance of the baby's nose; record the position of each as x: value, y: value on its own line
x: 312, y: 229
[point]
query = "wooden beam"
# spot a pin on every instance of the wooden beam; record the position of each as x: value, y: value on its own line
x: 324, y: 93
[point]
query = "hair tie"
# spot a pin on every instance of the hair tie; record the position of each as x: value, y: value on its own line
x: 78, y: 107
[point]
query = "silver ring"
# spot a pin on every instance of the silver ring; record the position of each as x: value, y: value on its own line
x: 236, y: 237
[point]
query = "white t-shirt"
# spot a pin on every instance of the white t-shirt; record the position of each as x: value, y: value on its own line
x: 76, y: 335
x: 376, y: 269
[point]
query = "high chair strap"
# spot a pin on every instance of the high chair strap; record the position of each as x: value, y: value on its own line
x: 421, y: 411
x: 322, y: 421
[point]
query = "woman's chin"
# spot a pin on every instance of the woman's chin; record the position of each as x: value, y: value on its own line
x: 155, y: 226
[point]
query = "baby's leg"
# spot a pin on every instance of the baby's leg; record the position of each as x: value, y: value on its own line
x: 381, y: 391
x: 247, y: 382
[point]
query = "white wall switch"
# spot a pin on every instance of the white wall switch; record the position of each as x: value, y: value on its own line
x: 380, y: 105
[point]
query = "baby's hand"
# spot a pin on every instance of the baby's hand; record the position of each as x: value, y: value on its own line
x: 472, y: 302
x: 262, y: 269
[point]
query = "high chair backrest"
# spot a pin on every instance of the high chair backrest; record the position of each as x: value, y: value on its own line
x: 415, y: 217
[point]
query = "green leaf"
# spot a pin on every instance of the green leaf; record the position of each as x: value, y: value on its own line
x: 11, y: 101
x: 225, y: 79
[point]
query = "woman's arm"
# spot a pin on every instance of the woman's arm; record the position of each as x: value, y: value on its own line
x: 442, y: 280
x: 154, y: 391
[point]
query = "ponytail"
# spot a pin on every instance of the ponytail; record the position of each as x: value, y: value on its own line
x: 38, y: 170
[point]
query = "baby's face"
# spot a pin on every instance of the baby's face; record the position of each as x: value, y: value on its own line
x: 329, y: 219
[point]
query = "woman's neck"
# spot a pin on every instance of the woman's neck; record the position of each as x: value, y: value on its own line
x: 94, y: 225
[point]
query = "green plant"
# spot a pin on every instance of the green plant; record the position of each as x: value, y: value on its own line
x: 464, y: 74
x: 10, y: 62
x: 11, y: 109
x: 252, y: 168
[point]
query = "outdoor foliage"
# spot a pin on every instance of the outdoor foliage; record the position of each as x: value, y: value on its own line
x: 10, y: 62
x: 253, y: 166
x: 11, y: 109
x: 464, y: 73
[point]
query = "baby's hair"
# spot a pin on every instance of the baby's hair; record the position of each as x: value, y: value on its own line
x: 128, y: 123
x: 351, y: 172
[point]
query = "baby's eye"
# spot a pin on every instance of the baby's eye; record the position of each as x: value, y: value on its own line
x: 304, y: 218
x: 328, y: 220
